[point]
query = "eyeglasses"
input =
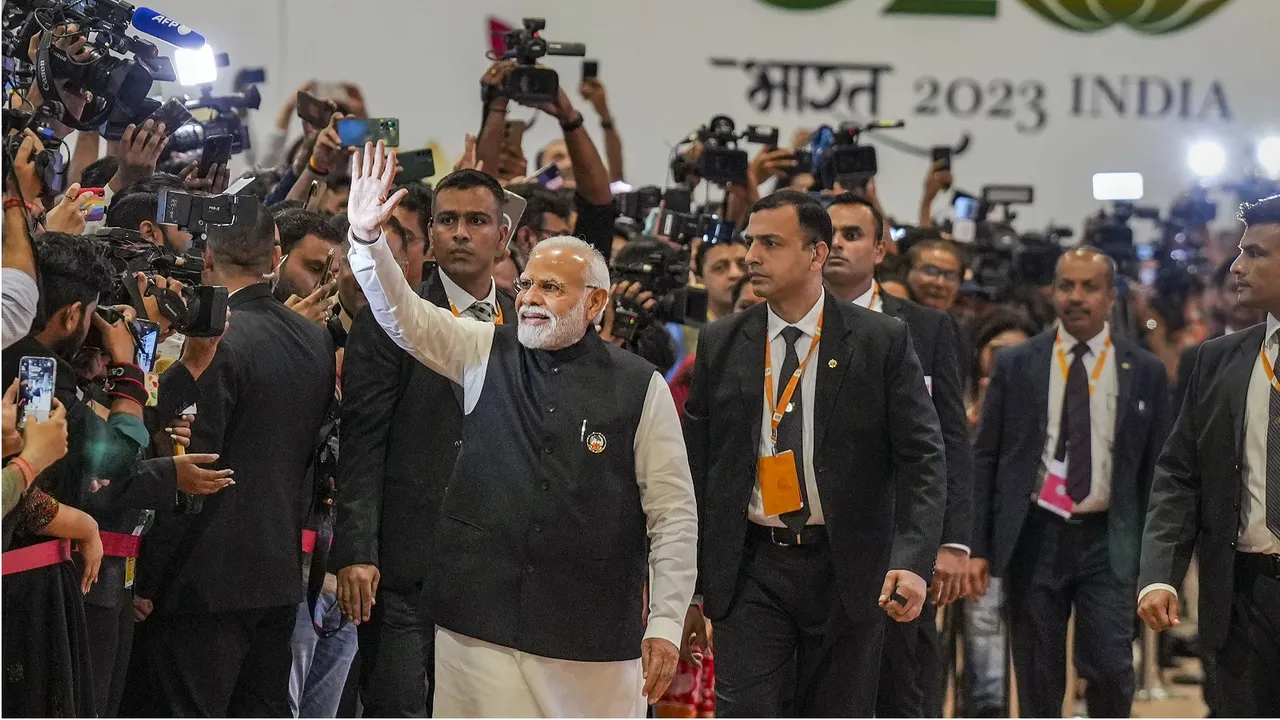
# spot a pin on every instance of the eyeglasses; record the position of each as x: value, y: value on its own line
x: 550, y: 288
x: 938, y: 273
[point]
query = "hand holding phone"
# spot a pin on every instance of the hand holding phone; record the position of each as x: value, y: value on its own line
x: 217, y: 151
x: 173, y: 114
x: 415, y: 166
x: 95, y: 205
x: 313, y: 110
x: 36, y: 376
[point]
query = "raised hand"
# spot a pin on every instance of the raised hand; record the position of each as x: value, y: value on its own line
x: 368, y: 205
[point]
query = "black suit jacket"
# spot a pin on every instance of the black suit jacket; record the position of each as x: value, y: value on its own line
x: 933, y: 335
x: 401, y: 431
x: 1199, y: 480
x: 877, y: 444
x: 263, y: 400
x: 1011, y: 440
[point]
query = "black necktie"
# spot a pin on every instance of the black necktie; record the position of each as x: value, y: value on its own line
x: 1075, y: 433
x: 791, y: 428
x: 1273, y: 457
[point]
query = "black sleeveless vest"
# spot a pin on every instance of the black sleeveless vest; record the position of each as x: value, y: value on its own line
x: 541, y: 544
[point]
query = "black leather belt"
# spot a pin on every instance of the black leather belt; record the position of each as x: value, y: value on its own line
x: 810, y: 535
x: 1259, y: 563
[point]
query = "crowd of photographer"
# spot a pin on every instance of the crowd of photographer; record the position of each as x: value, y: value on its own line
x: 234, y: 412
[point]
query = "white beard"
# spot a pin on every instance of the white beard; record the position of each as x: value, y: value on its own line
x: 559, y: 332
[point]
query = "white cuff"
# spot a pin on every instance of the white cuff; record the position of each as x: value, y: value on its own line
x: 958, y: 546
x: 1157, y: 586
x: 664, y: 628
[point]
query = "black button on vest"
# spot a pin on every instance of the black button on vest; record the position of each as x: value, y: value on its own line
x: 541, y: 545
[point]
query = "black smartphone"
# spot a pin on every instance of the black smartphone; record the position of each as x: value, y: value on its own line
x: 217, y: 151
x: 36, y: 376
x: 590, y: 70
x: 146, y: 335
x: 415, y: 165
x: 114, y: 129
x: 250, y: 76
x: 314, y: 110
x: 173, y: 114
x: 942, y: 154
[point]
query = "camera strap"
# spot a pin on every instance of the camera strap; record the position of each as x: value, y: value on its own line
x: 51, y: 96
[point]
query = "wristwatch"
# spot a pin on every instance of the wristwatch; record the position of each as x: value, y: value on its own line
x: 573, y: 124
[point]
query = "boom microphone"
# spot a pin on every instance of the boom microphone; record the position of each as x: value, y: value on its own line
x: 158, y: 25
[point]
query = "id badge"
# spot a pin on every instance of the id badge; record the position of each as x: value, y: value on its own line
x: 130, y: 564
x: 153, y: 389
x: 1053, y: 496
x: 779, y: 485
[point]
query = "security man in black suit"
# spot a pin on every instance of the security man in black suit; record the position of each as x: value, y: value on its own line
x: 803, y: 536
x: 218, y: 639
x: 1217, y: 491
x: 1072, y: 423
x: 401, y: 430
x: 911, y: 673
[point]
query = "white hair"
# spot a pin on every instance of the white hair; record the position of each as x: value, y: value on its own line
x: 597, y: 266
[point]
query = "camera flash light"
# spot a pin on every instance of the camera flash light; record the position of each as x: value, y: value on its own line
x: 195, y: 67
x: 1269, y: 156
x: 1207, y: 158
x: 1117, y: 186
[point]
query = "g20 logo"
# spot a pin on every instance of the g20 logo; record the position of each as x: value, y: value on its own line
x: 1152, y: 17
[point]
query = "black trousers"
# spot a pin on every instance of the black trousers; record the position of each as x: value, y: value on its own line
x: 911, y: 676
x: 396, y: 657
x: 788, y: 647
x: 231, y: 664
x: 110, y: 643
x: 1248, y: 664
x: 1059, y: 564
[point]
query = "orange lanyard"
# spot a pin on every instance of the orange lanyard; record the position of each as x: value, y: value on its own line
x: 1097, y: 368
x: 776, y: 411
x: 497, y: 320
x: 875, y: 295
x: 1266, y: 366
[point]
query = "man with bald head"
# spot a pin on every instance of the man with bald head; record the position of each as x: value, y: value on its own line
x: 571, y: 490
x: 1072, y: 424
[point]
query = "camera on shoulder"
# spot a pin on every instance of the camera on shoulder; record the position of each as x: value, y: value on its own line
x: 527, y: 82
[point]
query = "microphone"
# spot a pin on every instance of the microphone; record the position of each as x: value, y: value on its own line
x: 158, y: 25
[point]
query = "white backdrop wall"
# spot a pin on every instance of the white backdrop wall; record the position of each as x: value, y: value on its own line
x: 420, y: 60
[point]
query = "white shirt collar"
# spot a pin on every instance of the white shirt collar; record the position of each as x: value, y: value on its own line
x: 462, y: 299
x: 864, y: 300
x: 1273, y: 325
x: 808, y: 324
x: 1096, y: 343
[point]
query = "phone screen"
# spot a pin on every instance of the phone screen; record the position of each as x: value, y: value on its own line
x: 35, y: 388
x: 965, y: 228
x: 217, y: 151
x: 148, y: 335
x: 549, y: 177
x: 966, y: 207
x: 173, y: 114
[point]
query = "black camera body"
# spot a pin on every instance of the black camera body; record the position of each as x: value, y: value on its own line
x: 527, y: 82
x: 195, y: 213
x: 668, y: 281
x: 48, y: 159
x: 721, y: 161
x: 119, y: 74
x: 198, y: 311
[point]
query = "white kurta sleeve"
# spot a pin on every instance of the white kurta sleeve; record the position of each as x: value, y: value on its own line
x: 457, y: 348
x: 666, y: 494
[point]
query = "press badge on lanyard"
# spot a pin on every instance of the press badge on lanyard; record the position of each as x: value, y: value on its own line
x: 779, y: 480
x: 1053, y: 496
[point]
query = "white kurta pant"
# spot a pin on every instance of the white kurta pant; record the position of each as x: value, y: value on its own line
x: 479, y: 679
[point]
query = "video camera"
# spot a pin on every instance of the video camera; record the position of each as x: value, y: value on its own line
x: 1003, y: 258
x: 527, y: 82
x: 198, y: 311
x: 837, y: 155
x: 667, y: 278
x: 721, y: 161
x: 195, y: 213
x: 48, y: 160
x: 118, y: 75
x: 222, y: 118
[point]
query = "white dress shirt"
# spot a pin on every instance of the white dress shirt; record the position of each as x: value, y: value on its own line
x: 20, y: 298
x: 458, y: 348
x: 1254, y: 536
x: 461, y: 299
x: 808, y: 388
x: 1102, y: 414
x: 873, y: 300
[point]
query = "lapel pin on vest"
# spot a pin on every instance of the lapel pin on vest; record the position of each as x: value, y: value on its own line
x: 1124, y: 366
x: 832, y: 364
x: 596, y: 443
